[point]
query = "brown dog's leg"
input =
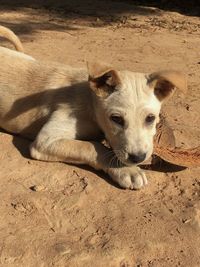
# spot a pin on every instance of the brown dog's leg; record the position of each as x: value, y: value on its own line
x: 74, y: 151
x: 90, y: 153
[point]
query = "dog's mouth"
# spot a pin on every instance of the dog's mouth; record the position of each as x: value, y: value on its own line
x: 123, y: 158
x: 116, y: 155
x: 128, y: 162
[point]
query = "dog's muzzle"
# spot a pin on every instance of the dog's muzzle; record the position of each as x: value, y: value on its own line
x: 137, y: 158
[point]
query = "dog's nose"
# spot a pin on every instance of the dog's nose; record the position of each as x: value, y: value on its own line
x: 137, y: 158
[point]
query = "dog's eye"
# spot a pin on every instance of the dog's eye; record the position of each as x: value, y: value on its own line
x: 150, y: 118
x: 117, y: 119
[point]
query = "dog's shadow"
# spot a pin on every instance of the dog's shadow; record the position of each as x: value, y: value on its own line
x: 160, y: 165
x: 22, y: 145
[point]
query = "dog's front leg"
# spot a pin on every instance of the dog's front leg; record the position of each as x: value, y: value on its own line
x: 90, y: 153
x: 73, y: 151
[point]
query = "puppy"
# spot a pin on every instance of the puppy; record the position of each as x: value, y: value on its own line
x: 68, y: 111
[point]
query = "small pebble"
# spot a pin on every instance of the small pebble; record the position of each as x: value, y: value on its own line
x: 186, y: 220
x: 37, y: 188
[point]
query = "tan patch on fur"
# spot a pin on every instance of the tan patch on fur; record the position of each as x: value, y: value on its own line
x: 164, y: 83
x: 103, y: 79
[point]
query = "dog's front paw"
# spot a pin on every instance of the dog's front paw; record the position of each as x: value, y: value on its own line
x: 129, y: 177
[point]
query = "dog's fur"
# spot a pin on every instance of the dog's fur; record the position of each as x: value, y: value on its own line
x: 67, y: 115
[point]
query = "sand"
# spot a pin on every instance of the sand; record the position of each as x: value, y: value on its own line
x: 54, y: 214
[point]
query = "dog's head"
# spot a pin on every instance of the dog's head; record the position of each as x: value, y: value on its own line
x: 127, y: 107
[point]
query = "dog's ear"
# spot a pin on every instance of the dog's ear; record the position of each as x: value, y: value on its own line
x: 103, y: 79
x: 164, y: 83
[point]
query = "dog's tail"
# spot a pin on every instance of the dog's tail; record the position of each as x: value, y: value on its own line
x: 8, y: 34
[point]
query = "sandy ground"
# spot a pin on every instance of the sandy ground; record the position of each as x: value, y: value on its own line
x: 53, y: 214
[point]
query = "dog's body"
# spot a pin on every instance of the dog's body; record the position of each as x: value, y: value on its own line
x: 67, y: 116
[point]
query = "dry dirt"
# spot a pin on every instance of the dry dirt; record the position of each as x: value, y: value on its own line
x: 53, y: 214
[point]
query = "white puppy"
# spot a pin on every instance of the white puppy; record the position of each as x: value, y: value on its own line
x: 68, y: 111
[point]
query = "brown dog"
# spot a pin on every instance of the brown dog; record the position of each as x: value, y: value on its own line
x: 67, y: 111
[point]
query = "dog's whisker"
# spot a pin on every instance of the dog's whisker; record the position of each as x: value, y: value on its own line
x: 111, y: 163
x: 107, y: 155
